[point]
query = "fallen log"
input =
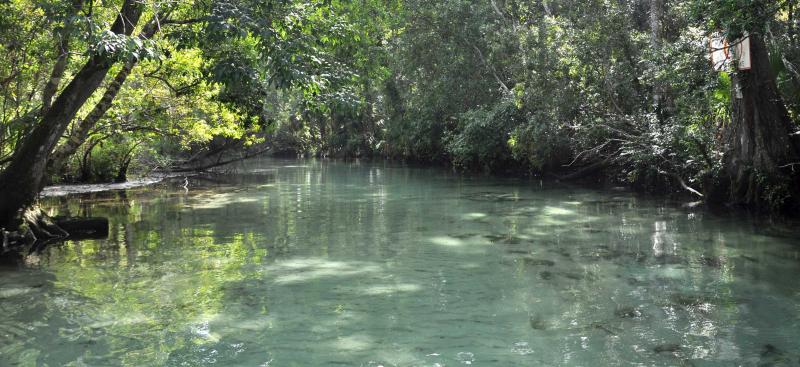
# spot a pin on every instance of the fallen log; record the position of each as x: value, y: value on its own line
x: 83, y: 228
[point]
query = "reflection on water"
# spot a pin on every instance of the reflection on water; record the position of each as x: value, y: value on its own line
x: 323, y: 264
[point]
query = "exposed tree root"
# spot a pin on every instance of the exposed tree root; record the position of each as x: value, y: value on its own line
x: 42, y: 226
x: 37, y: 230
x: 14, y: 241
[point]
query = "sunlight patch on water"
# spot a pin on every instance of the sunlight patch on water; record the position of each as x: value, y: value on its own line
x: 586, y: 219
x: 474, y: 216
x: 447, y: 241
x: 522, y: 348
x: 537, y: 232
x: 547, y: 220
x: 554, y: 210
x: 306, y: 270
x: 357, y: 342
x: 13, y: 292
x: 671, y: 272
x: 114, y: 320
x: 377, y: 290
x: 254, y: 323
x: 218, y: 201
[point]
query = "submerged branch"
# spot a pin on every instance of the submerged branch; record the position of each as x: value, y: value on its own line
x: 595, y: 149
x: 682, y: 183
x: 584, y: 171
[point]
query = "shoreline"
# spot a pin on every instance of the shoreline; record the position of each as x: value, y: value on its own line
x: 72, y: 189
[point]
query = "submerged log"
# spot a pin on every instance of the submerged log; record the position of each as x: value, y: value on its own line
x: 83, y: 228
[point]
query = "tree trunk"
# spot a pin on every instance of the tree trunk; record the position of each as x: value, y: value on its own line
x: 662, y: 103
x: 122, y: 173
x: 57, y: 163
x: 62, y: 50
x: 62, y: 47
x: 762, y: 148
x: 86, y: 161
x: 22, y: 180
x: 58, y: 159
x: 656, y: 17
x: 791, y: 20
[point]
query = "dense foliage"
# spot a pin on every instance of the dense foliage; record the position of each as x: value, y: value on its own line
x: 620, y: 90
x: 201, y: 76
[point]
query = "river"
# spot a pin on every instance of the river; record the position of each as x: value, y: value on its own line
x: 326, y: 263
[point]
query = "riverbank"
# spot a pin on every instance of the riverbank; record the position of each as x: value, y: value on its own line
x: 599, y: 181
x: 69, y: 189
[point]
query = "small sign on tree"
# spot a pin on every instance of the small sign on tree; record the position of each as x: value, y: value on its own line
x: 723, y: 53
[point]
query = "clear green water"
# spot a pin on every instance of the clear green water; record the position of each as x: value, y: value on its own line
x: 310, y: 263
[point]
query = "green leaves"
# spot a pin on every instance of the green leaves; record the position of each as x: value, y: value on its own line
x: 119, y: 47
x: 735, y: 18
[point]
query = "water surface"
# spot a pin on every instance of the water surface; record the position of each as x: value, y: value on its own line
x: 317, y: 263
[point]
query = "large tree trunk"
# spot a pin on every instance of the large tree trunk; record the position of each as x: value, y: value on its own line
x: 762, y: 147
x: 21, y: 181
x: 656, y: 18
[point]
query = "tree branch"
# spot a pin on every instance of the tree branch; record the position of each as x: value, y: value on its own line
x: 491, y: 69
x: 185, y: 21
x: 222, y: 163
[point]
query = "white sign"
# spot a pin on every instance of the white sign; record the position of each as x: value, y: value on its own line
x: 723, y: 52
x: 742, y: 53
